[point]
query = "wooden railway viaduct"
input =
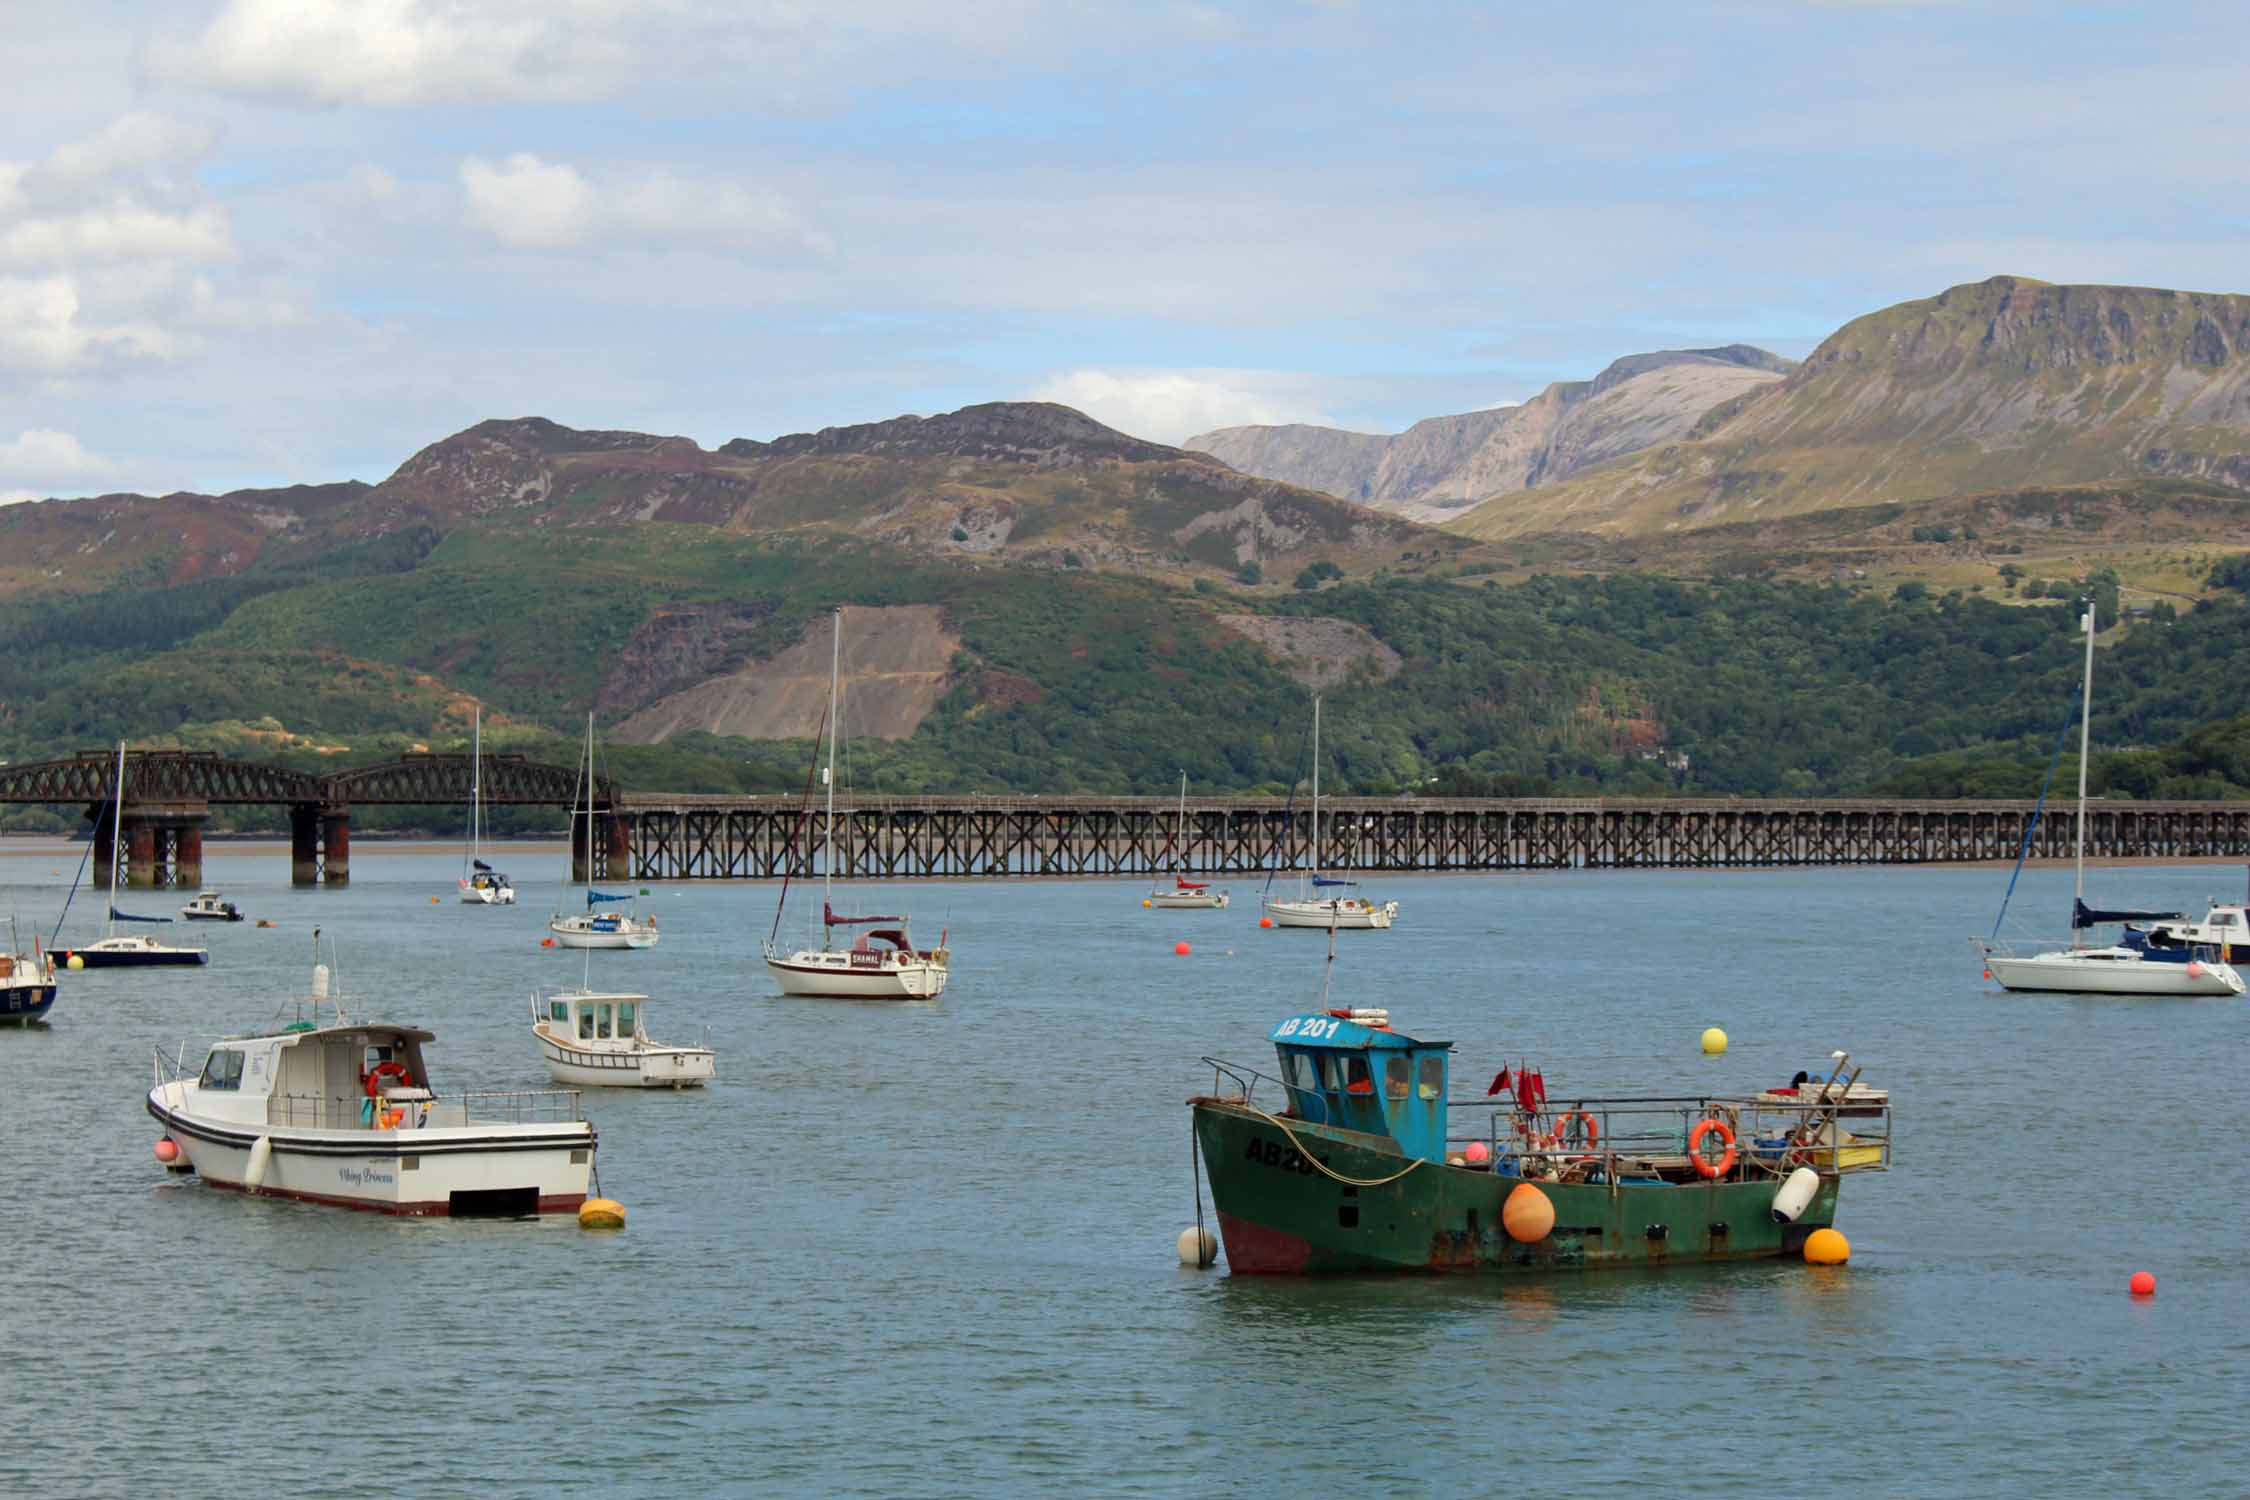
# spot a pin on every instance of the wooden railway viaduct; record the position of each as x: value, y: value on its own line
x: 660, y: 836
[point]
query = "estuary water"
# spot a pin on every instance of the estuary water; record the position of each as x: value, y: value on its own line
x: 927, y: 1249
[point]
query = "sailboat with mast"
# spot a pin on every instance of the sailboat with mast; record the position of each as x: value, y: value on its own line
x: 481, y: 885
x: 1184, y: 894
x: 882, y: 962
x: 116, y: 950
x: 596, y: 927
x: 2123, y: 969
x: 1324, y: 901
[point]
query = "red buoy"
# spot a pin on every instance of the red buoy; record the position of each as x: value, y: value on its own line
x: 1265, y: 921
x: 2143, y: 1284
x: 1181, y: 948
x: 168, y: 1150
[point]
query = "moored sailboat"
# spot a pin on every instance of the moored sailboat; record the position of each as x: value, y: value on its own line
x: 480, y: 884
x: 27, y: 981
x: 1323, y: 901
x: 1183, y: 894
x: 116, y: 950
x: 2124, y: 968
x: 882, y: 963
x: 596, y: 927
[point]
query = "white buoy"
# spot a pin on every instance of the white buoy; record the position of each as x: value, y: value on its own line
x: 1198, y: 1247
x: 320, y: 981
x: 254, y: 1175
x: 1796, y: 1195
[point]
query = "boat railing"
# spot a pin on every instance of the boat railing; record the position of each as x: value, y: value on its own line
x: 353, y: 1112
x: 1648, y: 1135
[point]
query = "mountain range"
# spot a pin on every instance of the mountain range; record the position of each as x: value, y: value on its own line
x: 1440, y: 466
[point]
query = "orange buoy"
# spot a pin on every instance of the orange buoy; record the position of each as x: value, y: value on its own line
x: 1528, y: 1215
x: 1827, y: 1247
x: 546, y: 942
x: 1265, y: 921
x: 1181, y: 948
x: 2143, y: 1283
x: 168, y: 1152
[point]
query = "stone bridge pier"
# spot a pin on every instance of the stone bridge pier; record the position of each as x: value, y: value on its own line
x: 320, y: 844
x: 163, y: 843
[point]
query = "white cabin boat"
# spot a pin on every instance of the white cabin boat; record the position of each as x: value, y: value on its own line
x: 2223, y: 934
x: 595, y: 1040
x: 27, y: 982
x: 346, y: 1114
x: 211, y: 906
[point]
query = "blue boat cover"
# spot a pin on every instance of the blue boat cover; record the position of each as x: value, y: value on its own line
x: 2082, y: 915
x: 125, y: 916
x: 594, y: 896
x: 1324, y: 880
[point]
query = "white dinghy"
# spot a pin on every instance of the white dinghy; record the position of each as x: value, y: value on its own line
x: 344, y: 1113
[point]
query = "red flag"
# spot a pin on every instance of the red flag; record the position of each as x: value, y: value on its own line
x: 1538, y: 1089
x: 1498, y: 1084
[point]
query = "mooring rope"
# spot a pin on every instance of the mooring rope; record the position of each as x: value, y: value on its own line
x: 1325, y: 1169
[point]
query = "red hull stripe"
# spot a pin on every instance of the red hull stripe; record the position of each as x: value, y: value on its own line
x: 433, y: 1208
x: 1254, y: 1250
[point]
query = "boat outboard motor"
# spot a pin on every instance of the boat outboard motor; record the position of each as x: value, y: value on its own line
x: 1796, y: 1195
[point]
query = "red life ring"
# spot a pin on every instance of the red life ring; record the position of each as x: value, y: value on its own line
x: 1704, y: 1164
x: 375, y: 1076
x: 1592, y: 1135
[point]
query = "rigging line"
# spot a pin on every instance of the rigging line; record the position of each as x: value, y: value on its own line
x: 804, y: 816
x: 1288, y: 820
x: 73, y: 894
x: 2038, y: 810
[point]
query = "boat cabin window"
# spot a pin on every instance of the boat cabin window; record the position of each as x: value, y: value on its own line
x: 1398, y: 1075
x: 2224, y: 919
x: 1298, y: 1072
x: 601, y: 1026
x: 586, y: 1023
x: 559, y: 1010
x: 625, y: 1018
x: 1433, y: 1077
x: 222, y: 1070
x: 1357, y: 1080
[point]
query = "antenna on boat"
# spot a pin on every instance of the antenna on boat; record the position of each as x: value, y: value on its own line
x: 1328, y: 970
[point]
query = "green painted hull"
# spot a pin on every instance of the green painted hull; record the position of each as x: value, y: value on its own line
x: 1278, y: 1214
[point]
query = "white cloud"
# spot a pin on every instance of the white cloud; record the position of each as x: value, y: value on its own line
x: 1167, y: 406
x: 123, y: 195
x: 39, y: 461
x: 42, y: 332
x: 527, y: 203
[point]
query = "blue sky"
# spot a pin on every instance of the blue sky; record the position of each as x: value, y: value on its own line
x: 265, y: 241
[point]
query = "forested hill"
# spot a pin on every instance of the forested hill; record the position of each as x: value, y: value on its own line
x: 1058, y: 680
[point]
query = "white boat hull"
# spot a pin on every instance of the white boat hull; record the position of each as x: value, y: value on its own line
x: 2074, y: 973
x: 487, y: 896
x: 643, y: 1066
x: 1344, y: 916
x: 833, y: 976
x: 425, y: 1172
x: 570, y: 938
x: 1192, y: 901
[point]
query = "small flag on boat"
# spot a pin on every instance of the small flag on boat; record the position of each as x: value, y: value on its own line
x: 1499, y: 1084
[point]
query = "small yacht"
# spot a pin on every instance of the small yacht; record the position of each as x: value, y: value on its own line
x: 2223, y: 934
x: 115, y: 950
x: 344, y: 1112
x: 1184, y: 894
x: 1323, y: 900
x: 601, y: 1041
x: 27, y: 982
x: 480, y: 884
x: 598, y: 926
x: 210, y: 906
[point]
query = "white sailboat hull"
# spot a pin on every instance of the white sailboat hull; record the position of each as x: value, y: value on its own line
x: 832, y: 975
x: 2110, y: 971
x: 486, y: 896
x: 629, y: 1065
x: 1344, y: 916
x: 1189, y: 900
x: 635, y: 938
x: 387, y: 1171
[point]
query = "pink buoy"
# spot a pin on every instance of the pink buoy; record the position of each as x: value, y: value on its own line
x: 167, y: 1150
x: 1477, y: 1153
x: 2194, y: 969
x: 1181, y: 948
x: 2143, y: 1284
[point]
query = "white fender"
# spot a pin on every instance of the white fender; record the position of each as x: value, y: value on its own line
x: 1796, y: 1195
x: 254, y: 1176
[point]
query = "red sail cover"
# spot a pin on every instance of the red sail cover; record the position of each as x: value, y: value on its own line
x: 1181, y: 882
x: 828, y: 915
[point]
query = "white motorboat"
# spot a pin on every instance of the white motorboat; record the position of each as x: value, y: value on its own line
x: 480, y: 884
x: 2120, y: 969
x: 27, y: 981
x: 113, y: 949
x: 210, y: 906
x: 1322, y: 901
x: 597, y: 927
x: 2223, y: 934
x: 597, y: 1040
x: 345, y: 1113
x: 896, y: 970
x: 1184, y: 894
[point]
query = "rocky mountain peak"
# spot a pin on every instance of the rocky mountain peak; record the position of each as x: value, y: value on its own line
x: 1041, y: 433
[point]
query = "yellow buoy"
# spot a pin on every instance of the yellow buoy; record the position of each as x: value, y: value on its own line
x: 1714, y: 1041
x: 1198, y: 1247
x: 601, y: 1213
x: 1826, y: 1247
x: 1528, y: 1214
x: 76, y: 962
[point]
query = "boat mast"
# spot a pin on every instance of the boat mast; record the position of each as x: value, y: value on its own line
x: 828, y: 843
x: 1315, y: 861
x: 1179, y: 825
x: 116, y: 843
x: 476, y: 787
x: 2085, y: 732
x: 589, y: 810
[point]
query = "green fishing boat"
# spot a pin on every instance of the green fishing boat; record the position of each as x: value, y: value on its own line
x: 1355, y: 1159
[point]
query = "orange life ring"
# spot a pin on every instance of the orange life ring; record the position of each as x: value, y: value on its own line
x: 1703, y: 1164
x: 375, y: 1076
x: 1592, y: 1134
